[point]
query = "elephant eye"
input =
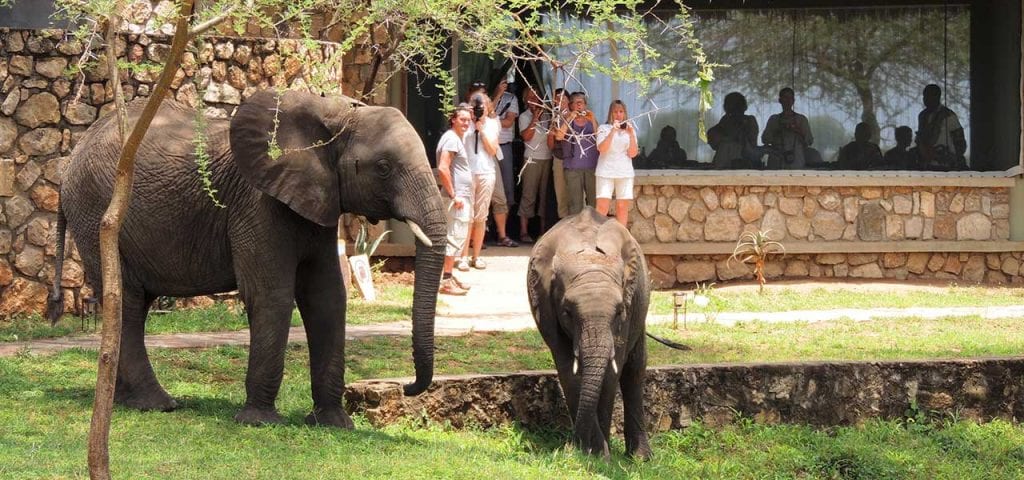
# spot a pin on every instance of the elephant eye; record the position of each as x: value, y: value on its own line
x: 383, y: 168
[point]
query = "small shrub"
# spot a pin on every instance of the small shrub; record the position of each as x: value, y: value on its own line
x: 756, y: 248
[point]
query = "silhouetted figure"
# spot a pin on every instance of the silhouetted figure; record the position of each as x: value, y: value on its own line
x: 734, y: 138
x: 901, y: 157
x: 940, y: 137
x: 861, y: 153
x: 789, y: 136
x: 668, y: 153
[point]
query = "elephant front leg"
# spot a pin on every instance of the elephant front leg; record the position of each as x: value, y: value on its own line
x: 320, y: 296
x: 632, y: 384
x: 269, y: 321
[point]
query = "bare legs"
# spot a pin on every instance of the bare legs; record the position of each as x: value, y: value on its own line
x: 621, y: 209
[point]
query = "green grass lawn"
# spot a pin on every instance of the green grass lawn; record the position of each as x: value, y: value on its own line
x: 393, y: 304
x: 781, y: 299
x: 882, y: 339
x: 45, y: 404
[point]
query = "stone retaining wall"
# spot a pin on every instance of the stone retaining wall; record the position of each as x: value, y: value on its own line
x: 44, y: 111
x: 836, y: 393
x: 668, y: 271
x: 791, y: 214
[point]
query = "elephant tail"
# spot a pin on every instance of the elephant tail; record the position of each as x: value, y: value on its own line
x: 55, y: 302
x: 669, y: 343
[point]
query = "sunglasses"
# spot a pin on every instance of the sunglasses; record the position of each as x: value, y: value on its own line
x: 478, y: 85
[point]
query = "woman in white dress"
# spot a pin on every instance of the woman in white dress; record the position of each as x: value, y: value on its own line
x: 616, y: 142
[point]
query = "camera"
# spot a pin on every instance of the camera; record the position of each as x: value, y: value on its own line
x: 622, y: 125
x: 478, y: 108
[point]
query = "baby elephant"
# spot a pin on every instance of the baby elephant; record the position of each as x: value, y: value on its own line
x: 588, y: 289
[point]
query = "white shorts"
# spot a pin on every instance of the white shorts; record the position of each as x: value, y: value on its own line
x: 458, y: 227
x: 622, y: 187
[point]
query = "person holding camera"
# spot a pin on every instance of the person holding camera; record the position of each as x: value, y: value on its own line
x: 579, y: 153
x: 788, y: 134
x: 616, y: 142
x: 533, y: 127
x: 506, y: 105
x: 456, y: 186
x: 481, y: 142
x: 558, y: 119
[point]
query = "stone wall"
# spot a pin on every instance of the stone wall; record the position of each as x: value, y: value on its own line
x: 44, y: 112
x: 799, y: 215
x: 837, y: 393
x: 667, y: 271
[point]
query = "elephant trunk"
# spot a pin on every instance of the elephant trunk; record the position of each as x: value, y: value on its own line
x: 596, y: 349
x: 429, y: 261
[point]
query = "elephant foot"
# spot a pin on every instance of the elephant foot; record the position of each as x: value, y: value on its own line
x: 596, y: 447
x: 641, y: 451
x: 152, y: 399
x: 250, y: 415
x: 334, y: 417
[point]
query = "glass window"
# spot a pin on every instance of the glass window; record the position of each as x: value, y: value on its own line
x: 845, y: 66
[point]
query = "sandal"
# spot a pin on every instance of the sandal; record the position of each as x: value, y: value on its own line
x: 507, y: 242
x: 525, y: 238
x: 460, y: 284
x: 478, y: 263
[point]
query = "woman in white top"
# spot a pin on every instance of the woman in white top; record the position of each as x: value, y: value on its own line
x: 616, y: 141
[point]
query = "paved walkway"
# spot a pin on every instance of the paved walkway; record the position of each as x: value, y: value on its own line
x: 497, y: 302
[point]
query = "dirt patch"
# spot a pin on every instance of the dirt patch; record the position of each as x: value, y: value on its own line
x: 384, y: 279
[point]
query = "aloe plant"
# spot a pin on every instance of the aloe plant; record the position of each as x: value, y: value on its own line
x: 756, y: 248
x: 365, y: 247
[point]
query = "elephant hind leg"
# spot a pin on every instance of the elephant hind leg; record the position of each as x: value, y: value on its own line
x: 137, y: 386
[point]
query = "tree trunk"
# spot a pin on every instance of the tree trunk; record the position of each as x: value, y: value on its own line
x: 110, y: 228
x: 867, y: 114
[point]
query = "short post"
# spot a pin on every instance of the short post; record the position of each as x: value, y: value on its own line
x: 678, y: 300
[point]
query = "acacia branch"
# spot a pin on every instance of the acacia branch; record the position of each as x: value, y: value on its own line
x: 113, y: 24
x: 110, y: 264
x: 213, y: 22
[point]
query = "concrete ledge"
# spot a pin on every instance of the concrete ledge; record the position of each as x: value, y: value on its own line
x: 815, y: 393
x: 837, y: 178
x: 792, y: 247
x: 797, y: 247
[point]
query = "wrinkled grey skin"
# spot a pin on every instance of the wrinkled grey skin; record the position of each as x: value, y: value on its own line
x: 276, y: 240
x: 588, y: 289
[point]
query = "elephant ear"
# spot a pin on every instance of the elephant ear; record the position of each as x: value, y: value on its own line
x: 613, y: 237
x: 304, y: 131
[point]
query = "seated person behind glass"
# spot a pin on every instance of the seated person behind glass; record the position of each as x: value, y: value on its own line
x: 788, y: 135
x: 901, y: 157
x: 734, y: 138
x: 861, y: 153
x: 940, y: 137
x: 668, y: 153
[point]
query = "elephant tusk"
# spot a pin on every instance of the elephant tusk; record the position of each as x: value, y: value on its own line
x: 575, y: 366
x: 416, y: 230
x: 615, y: 367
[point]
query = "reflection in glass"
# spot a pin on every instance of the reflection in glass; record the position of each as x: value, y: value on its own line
x: 846, y: 66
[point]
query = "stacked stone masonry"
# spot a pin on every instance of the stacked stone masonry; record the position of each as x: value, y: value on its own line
x: 798, y: 214
x: 815, y: 393
x: 44, y: 110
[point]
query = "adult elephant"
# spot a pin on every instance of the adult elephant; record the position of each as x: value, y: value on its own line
x: 285, y: 168
x: 588, y: 290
